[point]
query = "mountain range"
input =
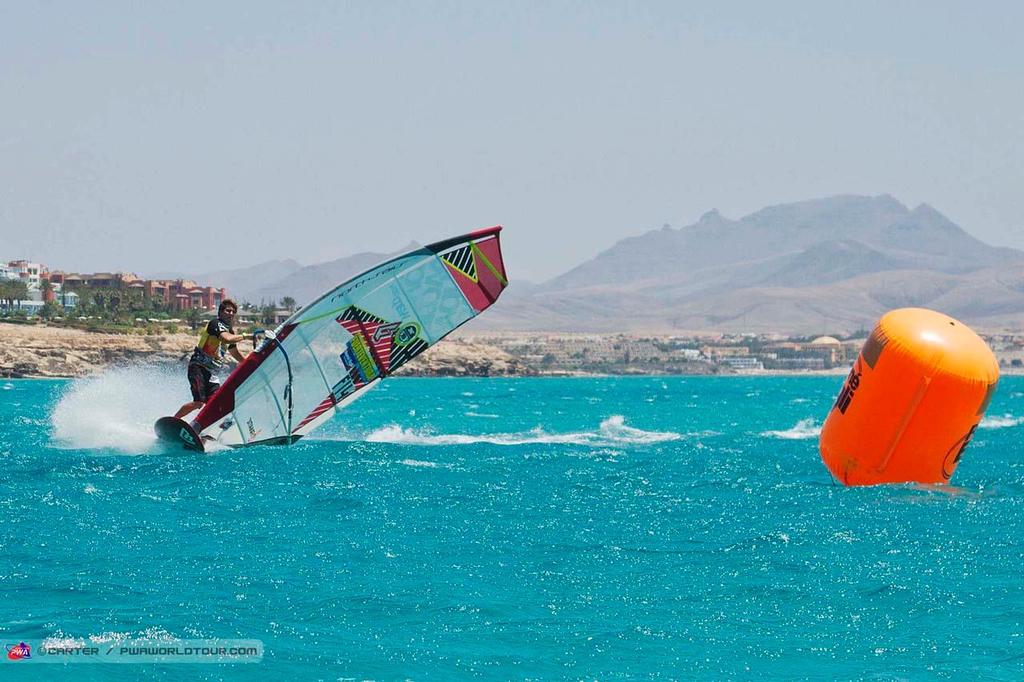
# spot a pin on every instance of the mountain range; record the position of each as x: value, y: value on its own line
x: 831, y: 265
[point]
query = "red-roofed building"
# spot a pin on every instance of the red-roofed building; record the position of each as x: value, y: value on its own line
x: 180, y: 294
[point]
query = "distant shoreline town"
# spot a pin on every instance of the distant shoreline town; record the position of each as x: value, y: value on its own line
x: 704, y: 354
x: 111, y: 301
x: 72, y: 290
x: 56, y: 323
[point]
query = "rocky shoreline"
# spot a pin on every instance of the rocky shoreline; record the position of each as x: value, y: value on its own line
x: 40, y: 351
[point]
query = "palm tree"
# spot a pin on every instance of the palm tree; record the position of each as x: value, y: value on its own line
x: 288, y: 303
x: 12, y: 290
x: 50, y: 310
x: 267, y: 315
x: 194, y: 316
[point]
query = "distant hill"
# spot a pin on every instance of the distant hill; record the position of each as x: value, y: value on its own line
x: 273, y: 280
x: 826, y: 265
x: 307, y: 283
x: 245, y: 283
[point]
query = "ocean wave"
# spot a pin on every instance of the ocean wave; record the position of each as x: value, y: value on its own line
x: 1001, y: 422
x: 805, y: 428
x: 613, y: 431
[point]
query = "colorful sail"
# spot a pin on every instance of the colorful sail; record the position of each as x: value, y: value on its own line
x: 335, y: 349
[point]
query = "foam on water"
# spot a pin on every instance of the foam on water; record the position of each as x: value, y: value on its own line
x: 115, y: 409
x: 809, y: 428
x: 1001, y: 422
x: 805, y: 428
x: 612, y: 431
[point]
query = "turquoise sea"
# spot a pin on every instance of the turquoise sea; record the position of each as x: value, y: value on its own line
x: 599, y: 528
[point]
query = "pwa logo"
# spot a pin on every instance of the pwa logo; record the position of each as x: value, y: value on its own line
x: 19, y: 651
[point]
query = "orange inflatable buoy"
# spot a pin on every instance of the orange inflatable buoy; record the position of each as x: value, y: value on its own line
x: 911, y: 403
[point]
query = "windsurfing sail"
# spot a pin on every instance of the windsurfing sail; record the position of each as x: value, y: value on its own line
x: 334, y: 350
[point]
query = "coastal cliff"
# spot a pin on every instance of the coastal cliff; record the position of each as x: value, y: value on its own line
x: 44, y: 351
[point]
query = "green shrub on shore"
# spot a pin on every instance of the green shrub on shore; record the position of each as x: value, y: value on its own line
x: 19, y: 319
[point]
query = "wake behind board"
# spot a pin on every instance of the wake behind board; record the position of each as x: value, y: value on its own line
x: 173, y: 430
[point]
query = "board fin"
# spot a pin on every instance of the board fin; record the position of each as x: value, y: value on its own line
x: 174, y: 430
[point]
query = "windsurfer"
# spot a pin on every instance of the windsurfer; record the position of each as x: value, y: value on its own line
x: 218, y: 335
x: 341, y: 345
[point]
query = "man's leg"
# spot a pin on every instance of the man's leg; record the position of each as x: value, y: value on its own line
x: 197, y: 381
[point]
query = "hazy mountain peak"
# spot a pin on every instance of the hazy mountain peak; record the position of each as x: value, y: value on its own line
x: 889, y: 201
x: 849, y: 207
x: 928, y: 211
x: 712, y: 216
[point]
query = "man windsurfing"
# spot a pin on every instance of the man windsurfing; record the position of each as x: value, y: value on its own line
x: 218, y: 335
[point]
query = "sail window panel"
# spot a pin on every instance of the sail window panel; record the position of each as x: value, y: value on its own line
x: 259, y: 406
x: 309, y: 388
x: 437, y: 301
x: 326, y: 342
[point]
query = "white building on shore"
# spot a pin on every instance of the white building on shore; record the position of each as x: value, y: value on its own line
x: 35, y: 276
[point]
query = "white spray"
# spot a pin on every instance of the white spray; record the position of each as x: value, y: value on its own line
x: 116, y: 408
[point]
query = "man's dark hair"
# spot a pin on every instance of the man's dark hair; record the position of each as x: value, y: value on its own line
x: 225, y: 303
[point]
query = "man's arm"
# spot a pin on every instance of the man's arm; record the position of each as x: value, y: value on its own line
x: 228, y: 337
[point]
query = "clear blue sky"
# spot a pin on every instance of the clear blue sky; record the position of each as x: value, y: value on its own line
x: 194, y: 136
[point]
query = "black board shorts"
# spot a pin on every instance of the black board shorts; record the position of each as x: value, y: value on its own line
x: 200, y: 380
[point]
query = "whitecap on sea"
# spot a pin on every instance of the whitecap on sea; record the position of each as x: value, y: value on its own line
x: 805, y: 428
x: 1001, y: 422
x: 612, y: 431
x: 419, y: 463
